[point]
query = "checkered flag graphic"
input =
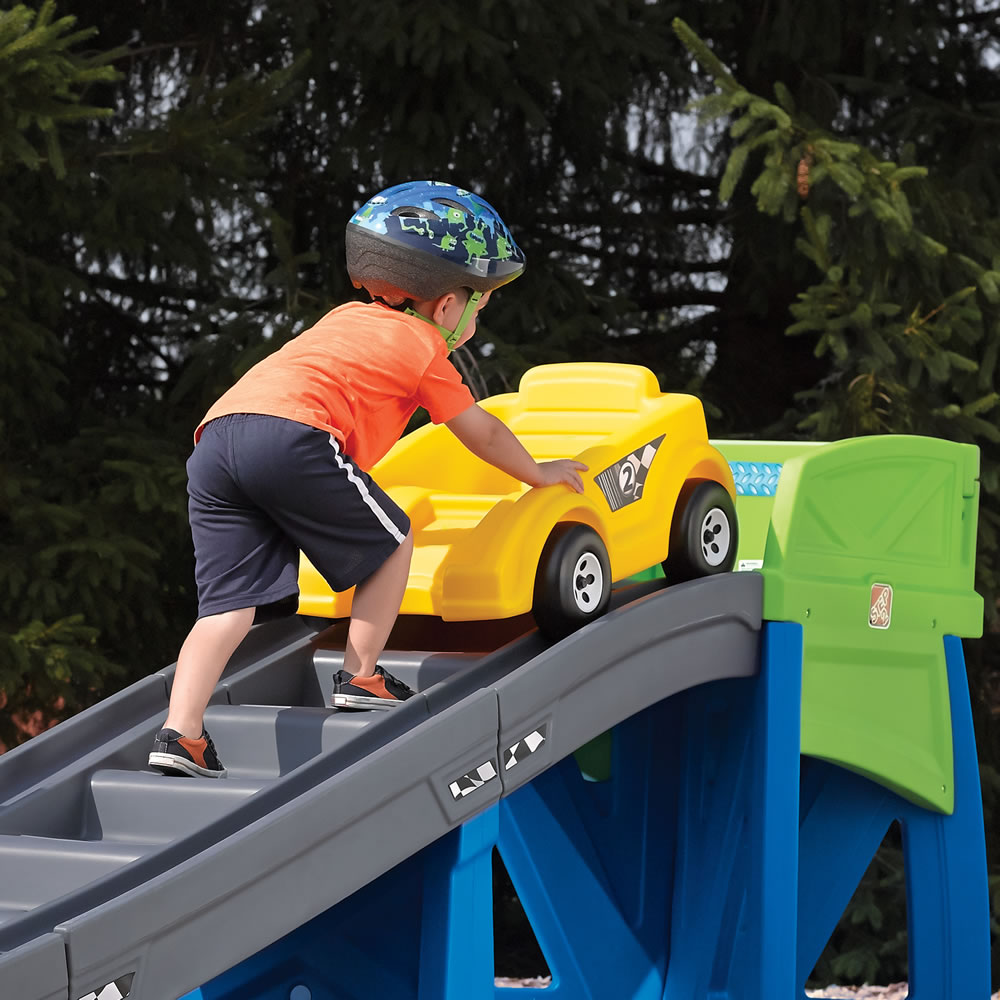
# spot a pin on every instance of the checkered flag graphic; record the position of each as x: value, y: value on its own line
x: 118, y: 990
x: 472, y: 780
x: 622, y: 482
x: 513, y: 755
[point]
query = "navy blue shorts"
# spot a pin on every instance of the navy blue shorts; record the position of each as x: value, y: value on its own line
x: 263, y: 488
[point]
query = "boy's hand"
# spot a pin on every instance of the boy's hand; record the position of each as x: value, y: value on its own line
x: 562, y: 470
x: 493, y: 441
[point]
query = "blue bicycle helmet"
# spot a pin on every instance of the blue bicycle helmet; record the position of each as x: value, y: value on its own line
x: 421, y: 239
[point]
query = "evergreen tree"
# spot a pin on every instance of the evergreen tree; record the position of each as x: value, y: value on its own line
x: 535, y: 106
x: 42, y: 80
x: 882, y: 74
x: 108, y: 237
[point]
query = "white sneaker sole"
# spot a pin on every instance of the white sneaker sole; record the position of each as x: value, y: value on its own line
x: 359, y: 701
x: 171, y: 765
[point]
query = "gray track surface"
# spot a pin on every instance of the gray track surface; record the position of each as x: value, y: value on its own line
x: 108, y: 869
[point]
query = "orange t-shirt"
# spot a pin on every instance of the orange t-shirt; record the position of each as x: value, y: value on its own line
x: 359, y: 373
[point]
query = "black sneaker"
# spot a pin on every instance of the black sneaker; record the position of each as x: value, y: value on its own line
x: 180, y: 755
x: 381, y: 690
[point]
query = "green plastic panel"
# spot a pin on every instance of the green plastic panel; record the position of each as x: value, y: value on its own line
x: 871, y: 548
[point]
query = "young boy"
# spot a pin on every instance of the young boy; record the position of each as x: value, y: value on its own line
x: 280, y: 461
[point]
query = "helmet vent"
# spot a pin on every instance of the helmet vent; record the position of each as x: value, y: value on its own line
x: 448, y: 203
x: 412, y: 212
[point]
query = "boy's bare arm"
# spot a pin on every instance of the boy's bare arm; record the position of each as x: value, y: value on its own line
x: 493, y: 441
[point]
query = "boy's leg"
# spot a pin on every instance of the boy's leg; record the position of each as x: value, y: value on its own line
x: 349, y: 528
x: 203, y: 657
x: 182, y: 746
x: 374, y: 610
x: 242, y: 561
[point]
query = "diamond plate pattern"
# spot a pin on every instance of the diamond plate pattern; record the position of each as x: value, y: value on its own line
x: 756, y: 479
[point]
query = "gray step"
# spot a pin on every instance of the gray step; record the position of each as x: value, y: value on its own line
x: 309, y: 682
x: 152, y: 808
x: 34, y: 870
x: 267, y: 741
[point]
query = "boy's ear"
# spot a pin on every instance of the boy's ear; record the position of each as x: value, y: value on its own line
x: 441, y: 304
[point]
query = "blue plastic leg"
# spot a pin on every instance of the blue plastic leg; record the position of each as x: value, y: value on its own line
x: 456, y: 937
x: 579, y: 894
x: 947, y: 895
x: 734, y: 917
x: 844, y: 819
x: 774, y: 844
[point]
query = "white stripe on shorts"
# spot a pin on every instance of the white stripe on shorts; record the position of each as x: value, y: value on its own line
x: 383, y: 517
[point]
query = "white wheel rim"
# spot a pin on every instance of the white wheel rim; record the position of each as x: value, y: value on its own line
x: 588, y: 582
x: 716, y: 537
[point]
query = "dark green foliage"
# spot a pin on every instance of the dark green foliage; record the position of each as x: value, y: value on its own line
x: 909, y: 82
x: 42, y: 77
x: 114, y: 257
x: 46, y: 658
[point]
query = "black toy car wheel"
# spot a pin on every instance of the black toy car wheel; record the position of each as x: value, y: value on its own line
x: 704, y: 533
x: 573, y: 582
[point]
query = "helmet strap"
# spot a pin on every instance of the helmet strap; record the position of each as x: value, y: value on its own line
x: 451, y: 337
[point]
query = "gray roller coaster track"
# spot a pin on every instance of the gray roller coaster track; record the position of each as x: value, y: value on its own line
x: 108, y: 869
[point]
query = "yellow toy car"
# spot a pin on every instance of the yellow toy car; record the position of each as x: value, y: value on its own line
x: 487, y: 546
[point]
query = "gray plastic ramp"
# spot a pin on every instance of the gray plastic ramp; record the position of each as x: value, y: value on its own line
x: 36, y: 970
x: 145, y: 868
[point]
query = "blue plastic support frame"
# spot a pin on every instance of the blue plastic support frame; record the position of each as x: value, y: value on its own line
x: 713, y: 864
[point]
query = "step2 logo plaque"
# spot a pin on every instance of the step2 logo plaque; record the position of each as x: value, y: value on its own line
x: 880, y: 606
